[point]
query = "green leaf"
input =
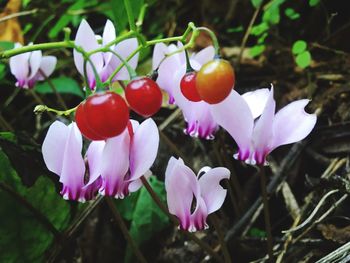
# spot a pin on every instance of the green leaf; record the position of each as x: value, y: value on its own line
x: 23, y: 237
x: 303, y: 60
x: 147, y: 218
x: 119, y: 13
x: 313, y: 2
x: 256, y: 3
x: 299, y: 46
x: 62, y: 85
x: 235, y: 29
x: 6, y: 45
x: 259, y: 29
x: 257, y: 50
x: 256, y: 232
x: 290, y: 12
x: 2, y: 71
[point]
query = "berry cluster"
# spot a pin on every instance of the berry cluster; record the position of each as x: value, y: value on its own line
x: 105, y: 115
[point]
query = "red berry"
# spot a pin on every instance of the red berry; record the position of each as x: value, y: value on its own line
x: 188, y: 86
x: 215, y: 81
x: 102, y: 115
x: 144, y: 96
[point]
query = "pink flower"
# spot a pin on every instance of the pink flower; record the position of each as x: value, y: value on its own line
x: 182, y: 186
x: 62, y: 155
x: 104, y: 62
x: 200, y: 122
x: 28, y: 67
x: 114, y: 166
x: 257, y: 139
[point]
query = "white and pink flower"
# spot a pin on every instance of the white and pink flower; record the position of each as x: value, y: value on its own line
x: 112, y: 168
x: 256, y: 139
x: 30, y: 67
x: 104, y: 62
x: 184, y: 189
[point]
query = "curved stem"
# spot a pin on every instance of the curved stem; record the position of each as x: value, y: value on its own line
x: 213, y: 38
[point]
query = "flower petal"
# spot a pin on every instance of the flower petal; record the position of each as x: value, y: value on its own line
x: 52, y: 148
x: 233, y: 114
x: 124, y: 50
x: 262, y: 133
x: 212, y: 192
x: 95, y: 158
x: 159, y: 51
x: 256, y: 101
x: 19, y: 66
x: 205, y: 55
x: 47, y: 66
x: 181, y: 182
x: 34, y: 62
x: 137, y: 184
x: 292, y: 123
x: 144, y: 148
x: 107, y: 37
x: 115, y: 165
x: 86, y: 39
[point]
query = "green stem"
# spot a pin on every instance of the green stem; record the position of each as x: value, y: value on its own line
x: 266, y: 211
x: 130, y: 14
x: 43, y: 108
x: 42, y: 46
x: 131, y: 71
x: 141, y: 16
x: 213, y: 38
x: 118, y: 218
x: 188, y: 63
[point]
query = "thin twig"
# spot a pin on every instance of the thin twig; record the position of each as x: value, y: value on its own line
x: 247, y: 33
x: 118, y: 218
x: 24, y: 13
x: 52, y: 86
x: 40, y: 101
x: 311, y: 216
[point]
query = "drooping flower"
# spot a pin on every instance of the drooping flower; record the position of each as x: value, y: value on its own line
x: 125, y: 158
x: 30, y: 67
x: 104, y: 62
x: 184, y: 189
x: 200, y: 122
x: 113, y: 167
x: 62, y: 155
x: 256, y: 140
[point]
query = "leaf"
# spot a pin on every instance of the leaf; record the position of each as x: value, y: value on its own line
x: 256, y: 232
x: 303, y: 60
x: 147, y: 218
x: 2, y: 71
x: 6, y: 45
x: 313, y: 3
x: 62, y: 85
x: 299, y: 46
x: 24, y: 155
x: 257, y: 50
x: 256, y: 3
x: 120, y: 16
x: 259, y: 29
x: 235, y: 29
x: 290, y: 12
x: 23, y: 237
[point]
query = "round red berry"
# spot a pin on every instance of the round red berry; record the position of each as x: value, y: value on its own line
x: 102, y: 116
x: 144, y: 96
x: 188, y: 86
x: 215, y: 81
